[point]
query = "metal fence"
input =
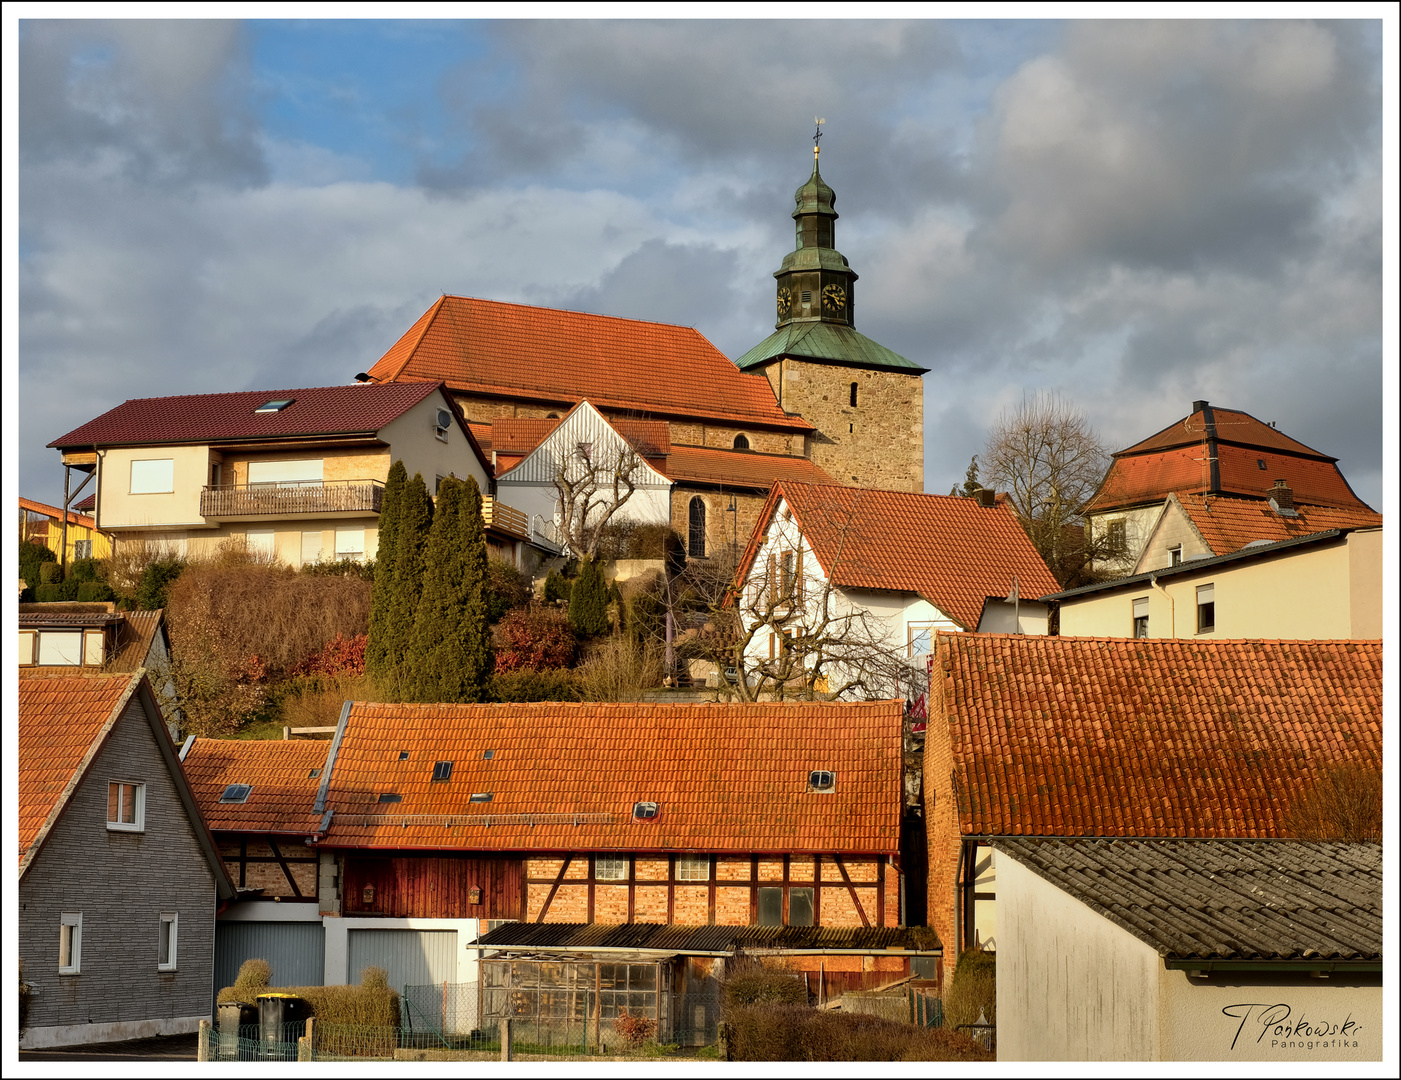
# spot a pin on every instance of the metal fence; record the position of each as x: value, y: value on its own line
x: 926, y: 1010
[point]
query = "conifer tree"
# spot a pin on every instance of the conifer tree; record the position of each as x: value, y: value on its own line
x: 377, y: 649
x: 450, y: 655
x: 415, y: 521
x: 588, y: 602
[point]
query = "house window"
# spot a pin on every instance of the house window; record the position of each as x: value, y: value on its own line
x: 165, y: 946
x: 262, y: 542
x: 126, y: 806
x: 350, y: 544
x: 311, y: 547
x: 696, y: 545
x: 70, y: 943
x: 1116, y: 538
x: 1206, y: 608
x: 741, y: 442
x: 921, y: 637
x: 771, y: 907
x: 1175, y: 554
x: 27, y: 640
x: 94, y: 642
x: 442, y: 772
x: 786, y: 581
x: 800, y: 907
x: 693, y: 868
x: 304, y: 471
x: 236, y: 793
x: 1140, y: 617
x: 82, y: 549
x: 61, y: 647
x: 610, y: 868
x: 156, y: 477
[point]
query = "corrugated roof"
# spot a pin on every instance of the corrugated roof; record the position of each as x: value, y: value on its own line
x: 1229, y: 524
x: 1054, y: 736
x: 720, y: 940
x: 284, y: 791
x: 59, y: 718
x: 951, y: 551
x: 1267, y: 900
x: 360, y: 408
x: 517, y: 351
x: 831, y: 342
x: 566, y: 777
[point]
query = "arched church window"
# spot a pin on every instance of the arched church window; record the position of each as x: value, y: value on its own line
x: 696, y: 545
x: 552, y: 416
x: 741, y: 442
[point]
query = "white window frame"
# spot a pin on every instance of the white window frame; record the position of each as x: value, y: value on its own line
x: 138, y: 824
x: 319, y: 545
x: 151, y: 480
x: 1206, y: 597
x: 171, y: 919
x: 94, y: 648
x: 345, y: 552
x: 610, y: 863
x: 49, y: 639
x: 688, y: 867
x: 73, y: 920
x: 28, y: 642
x: 913, y: 632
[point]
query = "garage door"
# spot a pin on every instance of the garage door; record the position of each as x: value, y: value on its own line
x: 296, y: 951
x: 411, y: 957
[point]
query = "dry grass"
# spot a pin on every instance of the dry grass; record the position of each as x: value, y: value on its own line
x: 619, y: 668
x: 1344, y: 804
x: 316, y: 700
x: 798, y: 1033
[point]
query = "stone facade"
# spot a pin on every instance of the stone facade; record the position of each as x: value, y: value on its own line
x: 721, y: 530
x: 121, y: 883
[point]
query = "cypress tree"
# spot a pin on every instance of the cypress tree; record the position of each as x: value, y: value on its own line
x: 377, y: 649
x: 450, y: 657
x: 588, y: 602
x: 415, y: 520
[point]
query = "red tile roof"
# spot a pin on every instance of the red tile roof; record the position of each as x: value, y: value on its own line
x: 360, y: 408
x: 1250, y: 456
x: 950, y: 551
x: 1227, y: 525
x: 726, y: 777
x: 520, y: 436
x: 1059, y: 736
x: 284, y: 791
x: 542, y: 354
x: 59, y: 720
x: 740, y: 468
x: 57, y: 513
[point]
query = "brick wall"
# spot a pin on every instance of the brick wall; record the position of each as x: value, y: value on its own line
x: 942, y: 832
x: 121, y: 882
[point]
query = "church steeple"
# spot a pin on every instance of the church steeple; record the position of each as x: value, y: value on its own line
x: 815, y: 282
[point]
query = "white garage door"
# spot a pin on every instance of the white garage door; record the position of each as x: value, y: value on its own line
x: 411, y: 957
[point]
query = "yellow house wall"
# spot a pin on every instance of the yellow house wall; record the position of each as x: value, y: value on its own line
x: 287, y: 538
x: 1299, y: 595
x: 1174, y: 530
x: 101, y: 545
x: 118, y: 508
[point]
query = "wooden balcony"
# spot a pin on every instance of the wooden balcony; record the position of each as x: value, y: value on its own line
x: 231, y: 502
x: 506, y: 518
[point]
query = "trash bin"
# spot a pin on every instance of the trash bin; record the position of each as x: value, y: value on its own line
x: 281, y: 1021
x: 237, y: 1019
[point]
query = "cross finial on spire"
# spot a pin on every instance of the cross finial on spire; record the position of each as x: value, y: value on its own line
x: 817, y: 135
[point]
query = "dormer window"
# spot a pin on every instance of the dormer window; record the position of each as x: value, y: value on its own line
x: 823, y: 781
x: 236, y: 793
x: 645, y: 811
x: 275, y: 405
x: 442, y: 772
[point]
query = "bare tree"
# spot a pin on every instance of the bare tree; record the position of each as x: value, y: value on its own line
x: 1049, y: 460
x: 594, y: 481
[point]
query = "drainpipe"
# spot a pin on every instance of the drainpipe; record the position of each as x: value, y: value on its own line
x: 1172, y: 605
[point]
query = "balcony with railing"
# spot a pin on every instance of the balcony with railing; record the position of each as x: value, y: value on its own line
x: 290, y: 498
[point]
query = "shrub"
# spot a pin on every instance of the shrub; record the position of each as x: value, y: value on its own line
x: 557, y: 587
x: 50, y: 573
x: 24, y: 992
x: 635, y: 1030
x: 82, y: 570
x: 49, y: 594
x: 506, y: 588
x: 750, y: 983
x: 619, y: 669
x: 31, y: 557
x: 773, y: 1032
x: 156, y: 580
x: 251, y: 980
x: 536, y: 638
x: 95, y: 592
x: 588, y: 602
x: 352, y: 568
x: 371, y: 1004
x: 1345, y: 803
x: 340, y: 656
x: 316, y: 700
x: 973, y: 989
x: 527, y: 684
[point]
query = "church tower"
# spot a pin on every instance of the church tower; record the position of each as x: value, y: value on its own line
x: 866, y: 402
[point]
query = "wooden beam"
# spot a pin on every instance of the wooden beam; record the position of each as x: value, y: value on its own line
x: 555, y: 888
x: 671, y: 888
x: 286, y: 870
x: 850, y: 888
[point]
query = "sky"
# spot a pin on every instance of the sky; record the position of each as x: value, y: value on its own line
x: 1133, y: 215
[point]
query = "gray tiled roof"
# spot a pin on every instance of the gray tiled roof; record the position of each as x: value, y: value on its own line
x: 1233, y: 900
x: 719, y: 940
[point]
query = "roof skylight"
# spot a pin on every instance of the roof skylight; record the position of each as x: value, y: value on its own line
x: 236, y: 793
x: 442, y: 772
x: 275, y: 405
x: 822, y: 780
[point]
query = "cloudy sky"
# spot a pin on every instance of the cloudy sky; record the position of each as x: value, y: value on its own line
x: 1132, y: 214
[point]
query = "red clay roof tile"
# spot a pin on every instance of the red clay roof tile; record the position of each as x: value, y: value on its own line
x: 1123, y: 737
x: 280, y: 772
x: 1227, y: 524
x: 517, y: 351
x: 727, y: 777
x: 739, y: 468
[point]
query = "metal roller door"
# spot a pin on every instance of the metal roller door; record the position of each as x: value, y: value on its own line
x: 411, y: 957
x: 296, y: 951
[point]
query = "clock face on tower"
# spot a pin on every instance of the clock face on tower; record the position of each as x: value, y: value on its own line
x: 785, y: 301
x: 834, y: 298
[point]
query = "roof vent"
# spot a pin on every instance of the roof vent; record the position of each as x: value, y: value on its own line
x: 313, y: 774
x: 236, y: 793
x: 822, y: 780
x: 645, y: 811
x: 488, y: 754
x: 275, y: 405
x: 442, y: 772
x: 403, y: 755
x: 480, y: 796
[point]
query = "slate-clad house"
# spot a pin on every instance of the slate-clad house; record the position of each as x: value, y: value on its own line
x: 1095, y: 737
x: 1189, y: 950
x: 118, y: 876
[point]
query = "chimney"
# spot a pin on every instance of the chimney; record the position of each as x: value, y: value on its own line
x: 985, y: 496
x: 1199, y: 406
x: 1282, y: 495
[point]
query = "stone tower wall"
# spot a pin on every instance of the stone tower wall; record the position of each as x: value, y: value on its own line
x: 877, y: 444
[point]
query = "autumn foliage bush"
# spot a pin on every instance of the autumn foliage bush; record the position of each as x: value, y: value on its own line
x: 340, y: 656
x: 535, y: 637
x: 635, y: 1030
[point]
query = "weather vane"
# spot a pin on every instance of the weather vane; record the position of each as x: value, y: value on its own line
x: 817, y: 136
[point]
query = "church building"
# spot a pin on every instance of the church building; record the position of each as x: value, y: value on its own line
x: 815, y: 402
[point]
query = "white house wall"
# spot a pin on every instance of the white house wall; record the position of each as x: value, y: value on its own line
x: 412, y: 439
x: 118, y: 508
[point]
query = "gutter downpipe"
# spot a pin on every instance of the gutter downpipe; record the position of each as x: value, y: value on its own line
x: 1172, y: 604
